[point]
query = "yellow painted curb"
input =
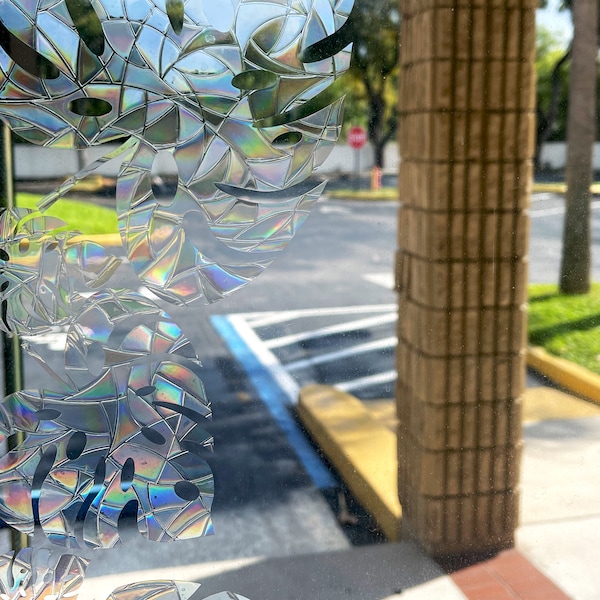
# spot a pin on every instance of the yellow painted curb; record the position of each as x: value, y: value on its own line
x: 547, y: 404
x: 105, y: 239
x: 361, y: 444
x: 559, y: 188
x: 361, y: 449
x: 381, y: 194
x: 566, y: 374
x: 392, y: 193
x: 553, y: 188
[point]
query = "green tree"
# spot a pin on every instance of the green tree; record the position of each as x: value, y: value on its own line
x: 373, y: 76
x: 552, y: 66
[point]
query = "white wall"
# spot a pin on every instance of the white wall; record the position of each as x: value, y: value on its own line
x: 343, y: 159
x: 35, y: 162
x: 554, y: 155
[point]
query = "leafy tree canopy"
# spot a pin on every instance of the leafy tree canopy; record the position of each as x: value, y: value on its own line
x: 373, y: 76
x: 552, y: 66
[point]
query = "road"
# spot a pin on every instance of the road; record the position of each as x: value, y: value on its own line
x: 547, y: 215
x: 324, y: 311
x: 333, y: 321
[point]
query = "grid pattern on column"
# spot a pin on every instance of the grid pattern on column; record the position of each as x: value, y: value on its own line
x: 466, y: 140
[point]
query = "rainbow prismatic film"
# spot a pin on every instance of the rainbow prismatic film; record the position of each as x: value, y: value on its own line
x: 240, y: 99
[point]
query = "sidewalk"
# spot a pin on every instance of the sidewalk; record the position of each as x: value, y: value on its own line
x: 295, y: 549
x: 557, y: 540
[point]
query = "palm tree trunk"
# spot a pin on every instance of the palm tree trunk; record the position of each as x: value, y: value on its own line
x: 581, y: 130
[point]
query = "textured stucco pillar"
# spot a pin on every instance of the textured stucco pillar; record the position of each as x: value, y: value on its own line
x: 466, y: 142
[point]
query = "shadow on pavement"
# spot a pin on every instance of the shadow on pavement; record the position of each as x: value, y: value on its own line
x: 367, y: 573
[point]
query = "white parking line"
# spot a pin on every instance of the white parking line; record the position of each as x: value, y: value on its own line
x: 376, y: 379
x: 273, y: 379
x: 547, y: 212
x: 556, y: 210
x: 266, y: 358
x: 55, y: 340
x: 332, y: 208
x: 276, y: 389
x: 262, y: 319
x: 385, y: 280
x: 331, y: 330
x: 384, y: 344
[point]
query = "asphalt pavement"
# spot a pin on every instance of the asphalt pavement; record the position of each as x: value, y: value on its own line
x: 278, y: 533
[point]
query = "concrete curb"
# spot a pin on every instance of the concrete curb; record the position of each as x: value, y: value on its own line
x: 571, y: 377
x: 392, y: 193
x: 362, y: 450
x: 384, y: 195
x: 105, y: 239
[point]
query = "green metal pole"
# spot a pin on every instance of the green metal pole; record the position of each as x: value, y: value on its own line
x: 11, y: 348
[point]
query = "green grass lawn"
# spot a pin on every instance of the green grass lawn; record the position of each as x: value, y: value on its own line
x: 84, y: 217
x: 566, y: 326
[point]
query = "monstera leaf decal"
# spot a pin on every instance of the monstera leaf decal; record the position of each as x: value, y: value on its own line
x: 33, y: 574
x: 241, y: 98
x: 158, y: 590
x: 40, y: 574
x: 42, y: 267
x: 131, y: 434
x: 125, y: 424
x: 236, y: 97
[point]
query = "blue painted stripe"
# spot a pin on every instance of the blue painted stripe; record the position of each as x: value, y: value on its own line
x: 276, y: 401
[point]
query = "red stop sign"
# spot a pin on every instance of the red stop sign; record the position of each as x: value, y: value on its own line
x: 357, y: 137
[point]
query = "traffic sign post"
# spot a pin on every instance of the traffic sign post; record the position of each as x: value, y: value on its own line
x: 357, y: 138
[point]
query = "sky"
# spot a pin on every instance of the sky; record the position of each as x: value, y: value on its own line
x: 559, y: 23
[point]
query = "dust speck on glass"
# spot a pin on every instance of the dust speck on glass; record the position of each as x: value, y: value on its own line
x: 236, y: 95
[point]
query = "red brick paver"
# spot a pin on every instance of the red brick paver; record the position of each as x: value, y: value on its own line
x: 508, y: 576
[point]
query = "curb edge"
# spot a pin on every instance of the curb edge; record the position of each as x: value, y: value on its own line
x: 573, y: 378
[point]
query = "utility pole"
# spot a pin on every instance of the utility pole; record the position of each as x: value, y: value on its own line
x: 11, y: 349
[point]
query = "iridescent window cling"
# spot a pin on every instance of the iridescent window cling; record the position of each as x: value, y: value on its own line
x: 125, y: 428
x: 42, y: 268
x: 221, y: 87
x: 237, y: 94
x: 45, y: 574
x: 33, y: 574
x: 160, y: 590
